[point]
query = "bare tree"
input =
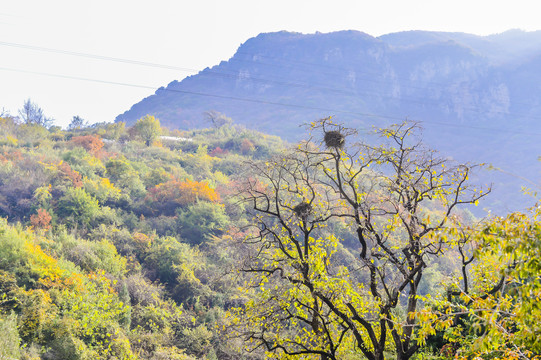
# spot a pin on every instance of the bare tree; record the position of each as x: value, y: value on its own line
x: 4, y: 113
x: 395, y: 198
x: 77, y: 123
x: 31, y: 113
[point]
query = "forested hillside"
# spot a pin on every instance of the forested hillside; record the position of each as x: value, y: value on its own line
x: 139, y: 242
x: 112, y: 248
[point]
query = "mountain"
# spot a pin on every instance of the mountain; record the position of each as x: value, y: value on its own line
x: 476, y: 97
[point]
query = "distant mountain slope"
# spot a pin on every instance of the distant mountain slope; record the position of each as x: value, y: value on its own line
x: 479, y: 98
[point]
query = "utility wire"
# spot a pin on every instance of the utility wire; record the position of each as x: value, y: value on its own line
x: 265, y: 102
x: 194, y: 93
x: 234, y: 75
x: 97, y: 57
x: 170, y: 67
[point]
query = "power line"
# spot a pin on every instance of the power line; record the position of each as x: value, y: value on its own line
x: 192, y: 92
x: 265, y: 102
x: 97, y: 57
x: 170, y: 67
x: 233, y: 75
x: 163, y: 66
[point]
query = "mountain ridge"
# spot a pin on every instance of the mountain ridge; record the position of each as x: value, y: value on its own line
x: 476, y: 96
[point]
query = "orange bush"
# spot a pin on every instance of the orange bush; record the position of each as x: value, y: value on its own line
x: 14, y: 156
x: 41, y: 220
x: 191, y: 191
x: 66, y: 172
x: 90, y: 143
x: 218, y: 152
x: 166, y: 197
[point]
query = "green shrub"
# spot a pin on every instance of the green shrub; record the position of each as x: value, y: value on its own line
x: 9, y: 338
x: 200, y: 221
x: 78, y: 206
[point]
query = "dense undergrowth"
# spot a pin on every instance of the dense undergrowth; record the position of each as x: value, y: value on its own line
x: 113, y: 246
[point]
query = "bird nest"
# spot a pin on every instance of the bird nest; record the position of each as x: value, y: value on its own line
x: 334, y: 139
x: 302, y: 210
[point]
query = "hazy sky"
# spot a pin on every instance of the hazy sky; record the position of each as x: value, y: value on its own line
x: 189, y: 35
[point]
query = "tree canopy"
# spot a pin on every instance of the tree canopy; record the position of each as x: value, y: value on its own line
x: 148, y: 128
x: 396, y: 198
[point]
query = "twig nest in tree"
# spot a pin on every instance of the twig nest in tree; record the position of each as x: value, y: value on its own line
x: 302, y: 210
x: 334, y: 139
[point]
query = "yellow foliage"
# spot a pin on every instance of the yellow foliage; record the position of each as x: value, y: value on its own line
x: 45, y: 266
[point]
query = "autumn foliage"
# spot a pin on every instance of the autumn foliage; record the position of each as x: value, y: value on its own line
x: 218, y: 152
x: 104, y: 244
x: 41, y: 220
x: 166, y: 197
x: 108, y: 252
x: 65, y: 172
x: 91, y: 143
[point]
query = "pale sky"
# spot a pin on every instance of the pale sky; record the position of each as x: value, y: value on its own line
x: 189, y: 35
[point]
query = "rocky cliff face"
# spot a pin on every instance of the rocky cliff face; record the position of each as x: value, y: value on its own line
x: 478, y: 98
